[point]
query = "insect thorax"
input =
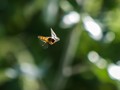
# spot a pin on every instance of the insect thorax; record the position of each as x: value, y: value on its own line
x: 51, y: 40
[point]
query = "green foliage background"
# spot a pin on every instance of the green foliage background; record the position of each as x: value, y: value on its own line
x: 26, y: 65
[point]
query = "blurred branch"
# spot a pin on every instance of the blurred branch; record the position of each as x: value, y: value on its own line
x: 65, y: 67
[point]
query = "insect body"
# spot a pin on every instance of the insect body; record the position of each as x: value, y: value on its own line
x: 49, y: 40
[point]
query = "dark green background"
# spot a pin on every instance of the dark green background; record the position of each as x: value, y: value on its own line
x: 26, y: 65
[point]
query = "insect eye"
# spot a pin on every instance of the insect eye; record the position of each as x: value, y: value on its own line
x: 52, y: 40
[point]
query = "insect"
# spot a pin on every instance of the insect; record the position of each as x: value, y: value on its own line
x: 49, y: 39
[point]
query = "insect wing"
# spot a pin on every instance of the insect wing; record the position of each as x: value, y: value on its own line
x: 45, y: 45
x: 54, y: 36
x: 53, y: 33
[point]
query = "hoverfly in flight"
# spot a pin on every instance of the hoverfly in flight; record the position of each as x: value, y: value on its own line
x: 49, y: 39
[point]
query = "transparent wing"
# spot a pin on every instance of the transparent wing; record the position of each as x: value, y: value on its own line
x: 54, y: 36
x: 43, y: 44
